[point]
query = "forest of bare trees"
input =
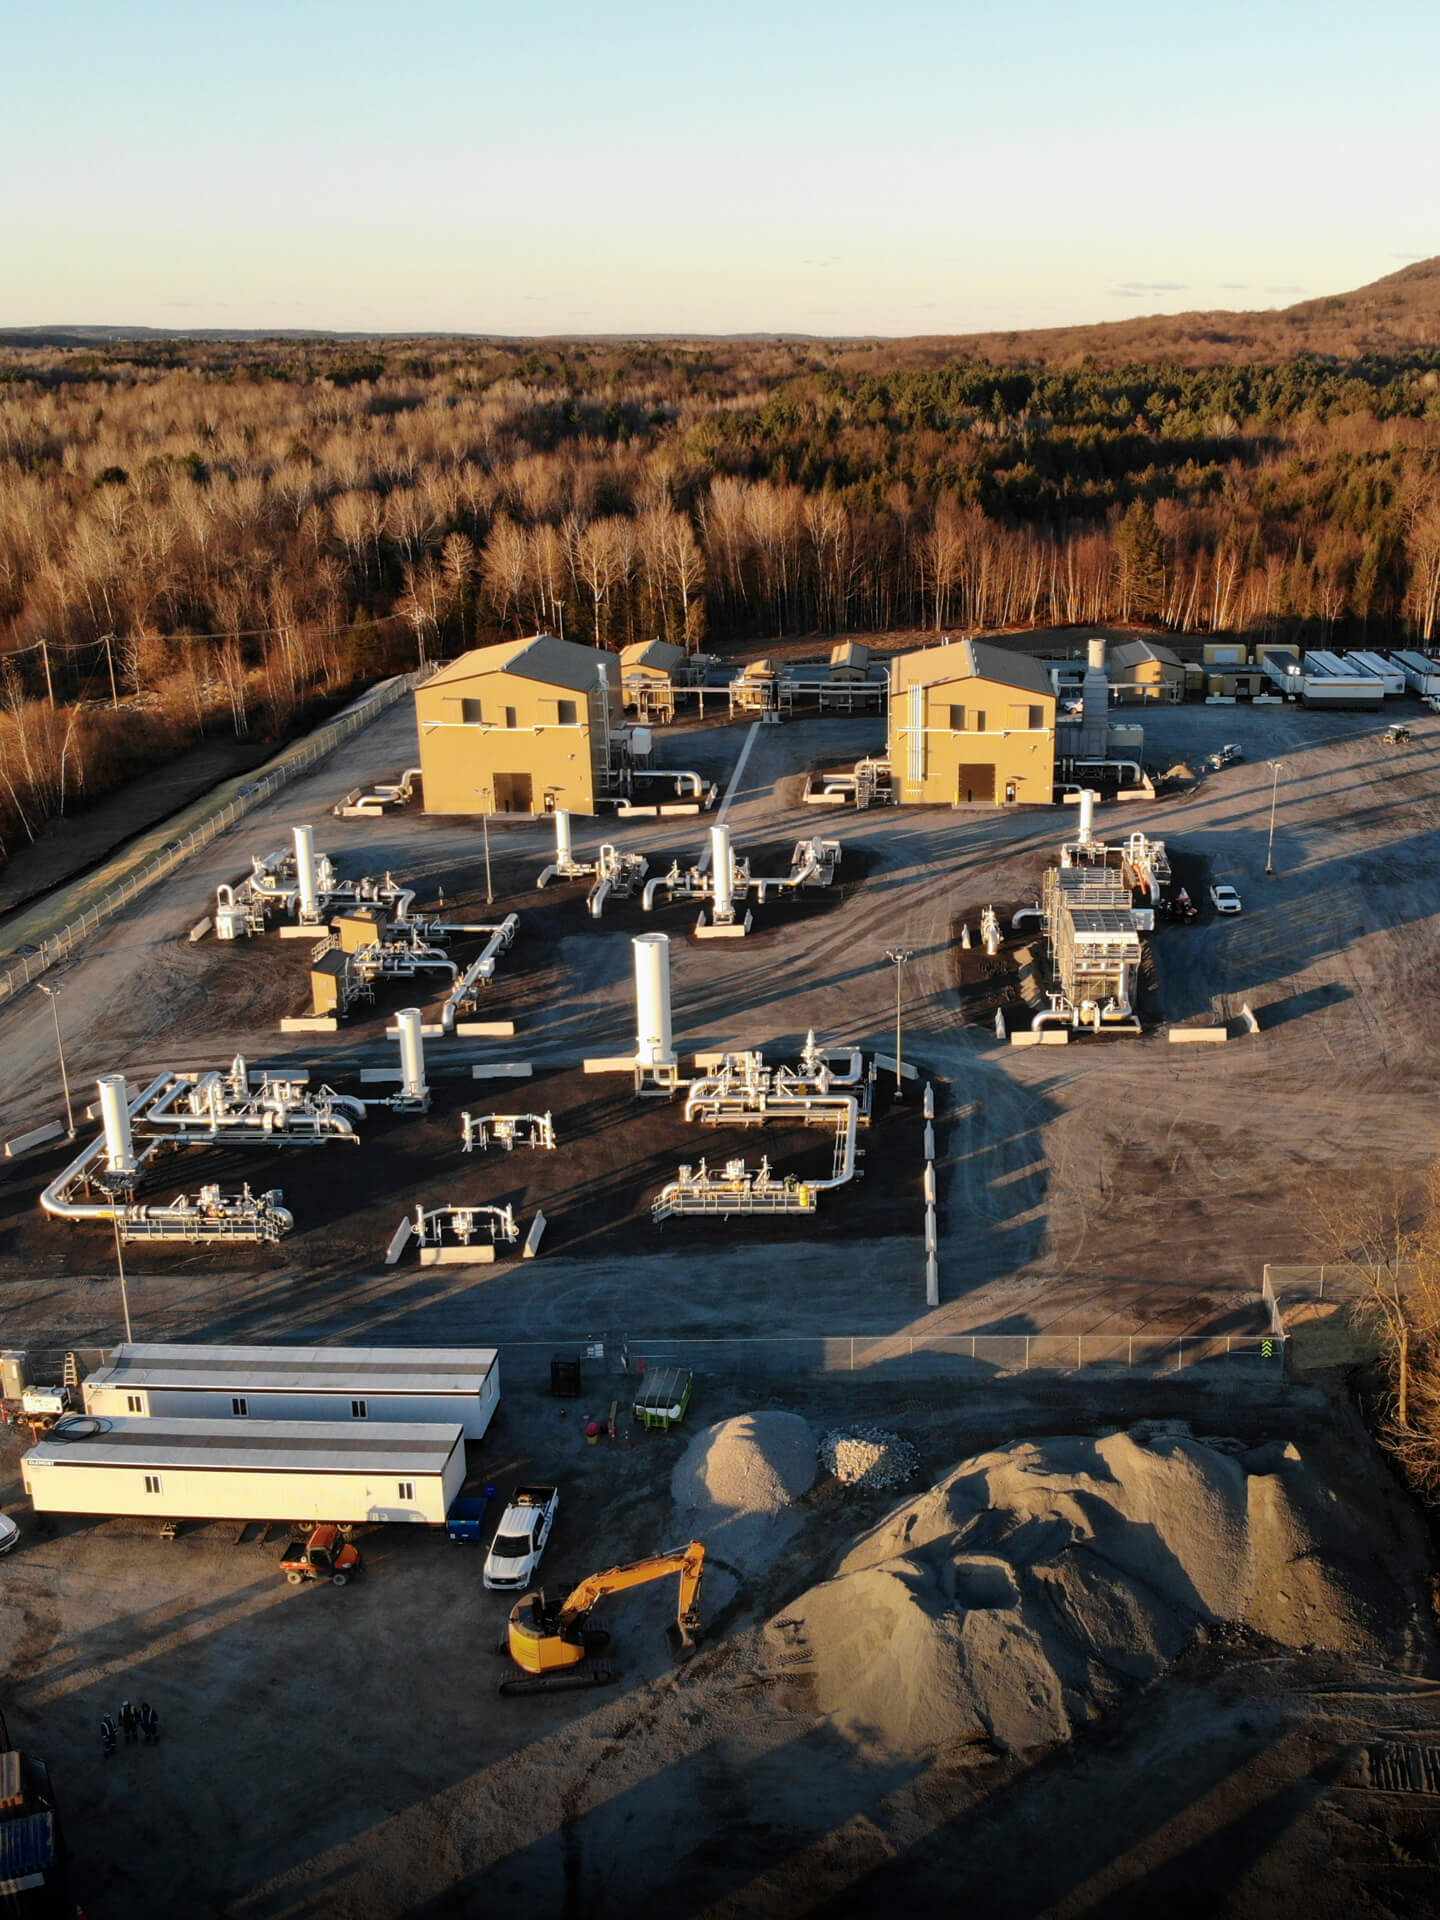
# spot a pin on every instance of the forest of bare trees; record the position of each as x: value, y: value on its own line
x: 196, y: 537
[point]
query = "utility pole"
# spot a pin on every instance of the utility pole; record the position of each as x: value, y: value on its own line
x: 110, y: 663
x: 898, y: 956
x: 52, y: 994
x: 120, y: 1267
x: 1275, y: 766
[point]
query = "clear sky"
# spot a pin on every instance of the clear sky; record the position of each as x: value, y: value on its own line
x: 928, y: 166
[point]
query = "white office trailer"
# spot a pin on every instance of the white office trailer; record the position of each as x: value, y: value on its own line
x: 287, y: 1470
x: 459, y: 1384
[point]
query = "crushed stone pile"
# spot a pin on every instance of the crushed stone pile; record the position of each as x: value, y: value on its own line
x: 739, y: 1479
x: 1032, y: 1587
x: 868, y: 1457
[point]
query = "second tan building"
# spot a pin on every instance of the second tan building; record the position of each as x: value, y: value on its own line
x: 971, y: 725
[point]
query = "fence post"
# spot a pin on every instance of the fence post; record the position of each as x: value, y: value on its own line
x: 1027, y: 1353
x: 1130, y: 1355
x: 1179, y: 1351
x: 852, y: 1353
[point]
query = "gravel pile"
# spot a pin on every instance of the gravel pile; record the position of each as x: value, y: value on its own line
x: 1033, y: 1587
x: 868, y: 1457
x: 738, y: 1479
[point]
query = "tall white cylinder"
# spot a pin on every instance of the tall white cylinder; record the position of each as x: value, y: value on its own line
x: 654, y: 1042
x: 1087, y: 816
x: 722, y: 867
x: 412, y: 1053
x: 562, y: 837
x: 305, y: 870
x: 115, y: 1115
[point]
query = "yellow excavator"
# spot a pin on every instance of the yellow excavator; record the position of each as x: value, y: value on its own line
x: 552, y: 1646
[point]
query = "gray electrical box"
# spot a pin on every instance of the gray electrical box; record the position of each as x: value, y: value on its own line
x: 13, y: 1373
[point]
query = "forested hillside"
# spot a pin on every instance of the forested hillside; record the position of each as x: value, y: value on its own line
x: 211, y: 535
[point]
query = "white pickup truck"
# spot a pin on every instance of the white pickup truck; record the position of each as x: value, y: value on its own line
x: 520, y: 1537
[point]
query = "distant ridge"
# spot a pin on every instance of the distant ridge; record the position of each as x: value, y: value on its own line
x: 1398, y: 314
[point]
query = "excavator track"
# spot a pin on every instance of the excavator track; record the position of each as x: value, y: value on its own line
x: 566, y: 1680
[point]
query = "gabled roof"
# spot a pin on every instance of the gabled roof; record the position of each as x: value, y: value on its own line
x: 971, y: 660
x: 557, y: 663
x: 1134, y: 653
x: 662, y: 655
x: 850, y: 653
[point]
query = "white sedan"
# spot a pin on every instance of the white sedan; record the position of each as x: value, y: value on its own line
x: 1226, y: 900
x: 520, y: 1538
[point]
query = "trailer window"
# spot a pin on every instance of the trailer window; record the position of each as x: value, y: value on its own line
x: 405, y: 1489
x: 134, y: 1403
x: 240, y: 1407
x: 152, y: 1483
x: 359, y: 1410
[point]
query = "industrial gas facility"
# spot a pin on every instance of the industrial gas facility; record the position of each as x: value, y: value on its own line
x: 594, y: 1050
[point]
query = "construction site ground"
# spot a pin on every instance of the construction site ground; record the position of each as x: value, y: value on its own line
x: 1121, y: 1187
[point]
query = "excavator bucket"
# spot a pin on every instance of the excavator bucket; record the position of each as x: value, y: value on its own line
x: 684, y: 1637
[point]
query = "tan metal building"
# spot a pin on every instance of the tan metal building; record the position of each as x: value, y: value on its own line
x: 1144, y: 670
x: 524, y: 727
x: 650, y: 671
x: 971, y: 724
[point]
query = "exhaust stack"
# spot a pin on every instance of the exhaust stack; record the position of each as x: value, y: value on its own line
x: 654, y: 1041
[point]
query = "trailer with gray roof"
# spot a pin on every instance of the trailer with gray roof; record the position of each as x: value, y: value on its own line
x: 415, y: 1384
x: 290, y: 1470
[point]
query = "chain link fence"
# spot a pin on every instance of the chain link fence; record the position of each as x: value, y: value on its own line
x: 972, y: 1355
x: 27, y: 967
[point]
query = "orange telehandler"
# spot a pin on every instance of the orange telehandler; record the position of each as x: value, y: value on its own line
x: 552, y: 1646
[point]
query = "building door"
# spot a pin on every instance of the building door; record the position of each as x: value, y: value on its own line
x: 975, y: 784
x: 512, y: 793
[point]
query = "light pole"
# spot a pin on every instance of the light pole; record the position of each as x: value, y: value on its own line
x: 1275, y: 766
x: 898, y: 956
x: 487, y: 794
x: 120, y: 1267
x: 52, y: 994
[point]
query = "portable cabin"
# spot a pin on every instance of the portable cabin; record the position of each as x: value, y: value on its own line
x: 289, y: 1470
x: 452, y: 1385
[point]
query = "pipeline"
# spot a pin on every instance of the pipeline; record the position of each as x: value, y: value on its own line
x: 481, y: 969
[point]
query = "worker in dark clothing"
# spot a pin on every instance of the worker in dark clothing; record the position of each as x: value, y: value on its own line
x: 149, y: 1724
x: 107, y: 1734
x: 129, y: 1722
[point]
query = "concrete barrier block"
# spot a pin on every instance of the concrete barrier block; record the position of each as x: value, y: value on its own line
x: 36, y: 1137
x: 1024, y: 1037
x: 932, y: 1280
x: 502, y: 1070
x: 399, y: 1240
x: 533, y: 1238
x: 886, y: 1064
x: 304, y: 933
x: 310, y: 1023
x: 929, y: 1183
x: 200, y: 929
x: 610, y: 1063
x: 1054, y: 1036
x: 1198, y: 1036
x: 486, y: 1029
x: 477, y: 1255
x: 929, y: 1139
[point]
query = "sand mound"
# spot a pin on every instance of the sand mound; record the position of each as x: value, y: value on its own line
x: 739, y: 1478
x: 1032, y: 1587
